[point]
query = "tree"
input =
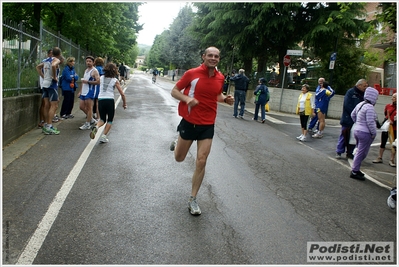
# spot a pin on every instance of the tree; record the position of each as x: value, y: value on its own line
x: 105, y: 29
x: 338, y: 28
x: 182, y: 49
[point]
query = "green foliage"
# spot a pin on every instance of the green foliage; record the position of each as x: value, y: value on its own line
x: 29, y: 76
x: 182, y: 49
x: 105, y: 29
x: 347, y: 71
x: 388, y: 15
x: 385, y: 19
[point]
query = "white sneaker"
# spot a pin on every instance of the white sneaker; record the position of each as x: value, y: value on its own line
x: 317, y: 135
x: 104, y: 139
x: 299, y: 137
x: 391, y: 201
x: 85, y: 127
x: 193, y: 206
x: 303, y: 139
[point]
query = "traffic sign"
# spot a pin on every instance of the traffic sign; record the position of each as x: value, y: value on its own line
x: 287, y: 60
x: 294, y: 52
x: 333, y: 58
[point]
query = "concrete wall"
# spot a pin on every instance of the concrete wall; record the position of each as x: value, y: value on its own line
x: 21, y: 114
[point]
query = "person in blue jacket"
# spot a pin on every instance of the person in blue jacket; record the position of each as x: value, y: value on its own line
x: 262, y: 97
x: 68, y: 86
x: 322, y: 99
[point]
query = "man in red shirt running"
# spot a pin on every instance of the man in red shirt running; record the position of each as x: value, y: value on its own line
x: 198, y: 90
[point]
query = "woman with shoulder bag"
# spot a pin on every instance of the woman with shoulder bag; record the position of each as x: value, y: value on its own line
x: 305, y: 108
x: 390, y: 117
x: 365, y: 129
x: 261, y: 99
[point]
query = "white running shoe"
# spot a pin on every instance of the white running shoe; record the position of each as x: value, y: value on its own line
x: 299, y: 137
x: 193, y: 206
x: 303, y: 139
x: 85, y: 127
x: 317, y: 135
x: 104, y: 139
x: 391, y: 201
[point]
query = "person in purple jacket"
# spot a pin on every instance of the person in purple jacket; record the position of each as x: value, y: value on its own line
x: 365, y: 129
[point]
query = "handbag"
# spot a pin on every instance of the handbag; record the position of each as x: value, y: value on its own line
x: 352, y: 140
x: 385, y: 126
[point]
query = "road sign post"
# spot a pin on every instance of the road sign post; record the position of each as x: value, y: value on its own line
x: 286, y: 62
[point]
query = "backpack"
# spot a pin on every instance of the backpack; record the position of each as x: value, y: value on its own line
x: 60, y: 81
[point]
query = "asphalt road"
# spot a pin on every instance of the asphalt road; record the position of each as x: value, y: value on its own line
x: 70, y: 200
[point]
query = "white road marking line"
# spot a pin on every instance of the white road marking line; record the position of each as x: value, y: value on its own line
x: 276, y: 121
x: 350, y: 161
x: 36, y: 241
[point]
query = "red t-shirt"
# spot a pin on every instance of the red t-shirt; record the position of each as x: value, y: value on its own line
x: 391, y: 108
x: 196, y: 83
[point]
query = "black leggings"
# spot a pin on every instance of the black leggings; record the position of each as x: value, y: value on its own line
x: 106, y: 107
x: 304, y: 120
x: 384, y: 138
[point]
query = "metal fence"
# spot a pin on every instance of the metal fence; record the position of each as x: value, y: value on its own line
x: 23, y: 50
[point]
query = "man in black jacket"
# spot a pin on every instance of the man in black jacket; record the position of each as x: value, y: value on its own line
x: 241, y: 83
x: 352, y: 97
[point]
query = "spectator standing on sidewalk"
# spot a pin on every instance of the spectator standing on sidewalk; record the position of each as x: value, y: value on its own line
x: 390, y: 114
x: 304, y: 108
x: 353, y: 96
x: 41, y: 109
x: 262, y: 97
x: 241, y: 83
x: 68, y: 86
x: 48, y: 71
x: 322, y: 99
x: 314, y: 120
x: 365, y: 129
x: 87, y: 92
x: 198, y: 91
x: 106, y: 101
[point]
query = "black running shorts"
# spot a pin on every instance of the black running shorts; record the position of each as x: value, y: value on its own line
x: 189, y: 131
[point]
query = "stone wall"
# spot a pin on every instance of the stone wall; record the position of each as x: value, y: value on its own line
x: 20, y: 115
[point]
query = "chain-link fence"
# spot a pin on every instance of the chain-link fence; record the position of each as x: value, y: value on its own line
x: 23, y: 50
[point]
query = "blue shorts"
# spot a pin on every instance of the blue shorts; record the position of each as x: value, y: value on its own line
x: 51, y: 94
x: 89, y: 95
x: 97, y: 92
